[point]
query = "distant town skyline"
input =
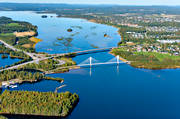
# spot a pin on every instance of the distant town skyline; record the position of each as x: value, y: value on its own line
x: 117, y: 2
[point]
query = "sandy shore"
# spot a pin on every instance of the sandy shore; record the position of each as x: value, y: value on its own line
x: 23, y: 34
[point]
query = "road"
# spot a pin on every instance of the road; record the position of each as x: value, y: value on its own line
x: 15, y: 49
x: 85, y: 51
x: 19, y: 65
x: 37, y: 57
x: 32, y: 55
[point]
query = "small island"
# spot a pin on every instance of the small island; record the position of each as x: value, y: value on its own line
x: 44, y: 16
x: 106, y: 35
x: 69, y: 30
x: 37, y: 103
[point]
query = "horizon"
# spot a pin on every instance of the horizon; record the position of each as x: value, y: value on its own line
x: 100, y: 2
x: 86, y: 4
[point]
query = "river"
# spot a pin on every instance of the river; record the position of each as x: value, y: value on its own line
x: 106, y: 91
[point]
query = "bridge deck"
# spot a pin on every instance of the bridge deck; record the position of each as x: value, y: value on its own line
x: 101, y: 63
x: 86, y: 51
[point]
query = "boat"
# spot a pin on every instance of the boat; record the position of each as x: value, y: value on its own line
x: 13, y: 86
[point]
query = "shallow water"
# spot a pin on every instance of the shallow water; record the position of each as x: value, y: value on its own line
x: 85, y: 35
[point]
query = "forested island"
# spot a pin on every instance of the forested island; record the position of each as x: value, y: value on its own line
x: 37, y: 103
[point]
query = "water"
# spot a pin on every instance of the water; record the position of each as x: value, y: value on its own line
x: 7, y: 61
x: 117, y: 92
x: 86, y: 35
x: 123, y: 92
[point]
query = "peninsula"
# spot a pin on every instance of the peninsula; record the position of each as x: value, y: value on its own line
x: 37, y: 103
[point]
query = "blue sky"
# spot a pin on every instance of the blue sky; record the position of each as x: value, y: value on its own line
x: 120, y: 2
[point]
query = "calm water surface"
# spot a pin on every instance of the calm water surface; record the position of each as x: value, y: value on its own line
x: 111, y: 91
x: 85, y: 35
x: 7, y: 61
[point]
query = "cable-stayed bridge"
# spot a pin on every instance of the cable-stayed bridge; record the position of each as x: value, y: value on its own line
x: 91, y: 62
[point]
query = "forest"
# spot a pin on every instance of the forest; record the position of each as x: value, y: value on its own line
x: 22, y: 75
x: 38, y: 103
x: 7, y: 25
x: 25, y: 75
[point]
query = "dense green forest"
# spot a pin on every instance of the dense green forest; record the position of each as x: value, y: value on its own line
x: 37, y: 103
x: 7, y: 25
x: 21, y: 75
x: 25, y: 75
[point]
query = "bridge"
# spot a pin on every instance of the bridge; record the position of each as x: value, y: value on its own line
x: 85, y: 51
x: 91, y: 62
x: 37, y: 58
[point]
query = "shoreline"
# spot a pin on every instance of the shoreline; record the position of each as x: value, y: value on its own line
x: 118, y: 28
x: 94, y: 21
x: 17, y: 81
x: 28, y: 113
x: 143, y: 67
x: 120, y: 58
x: 124, y: 60
x: 68, y: 69
x: 20, y: 82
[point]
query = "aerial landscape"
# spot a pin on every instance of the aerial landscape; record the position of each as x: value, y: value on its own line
x: 89, y: 59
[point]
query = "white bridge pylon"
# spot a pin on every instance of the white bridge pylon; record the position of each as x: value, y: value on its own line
x: 91, y: 61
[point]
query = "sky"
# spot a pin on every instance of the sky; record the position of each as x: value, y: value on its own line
x: 119, y: 2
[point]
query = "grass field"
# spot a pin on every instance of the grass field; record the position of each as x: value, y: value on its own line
x: 13, y: 24
x: 6, y: 34
x: 149, y: 60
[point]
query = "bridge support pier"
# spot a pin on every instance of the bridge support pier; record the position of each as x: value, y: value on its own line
x: 117, y: 59
x: 90, y: 61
